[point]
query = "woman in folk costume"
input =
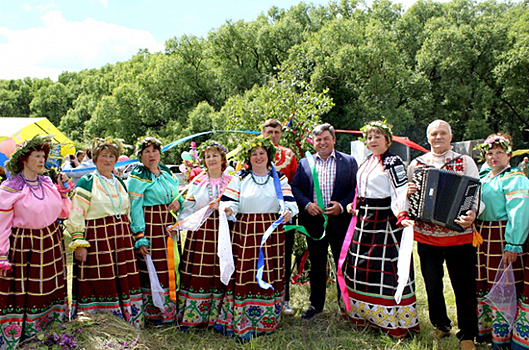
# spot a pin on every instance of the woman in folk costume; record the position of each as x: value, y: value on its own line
x: 32, y: 263
x: 251, y: 308
x: 504, y: 226
x: 370, y: 268
x: 106, y: 278
x: 153, y: 193
x: 201, y: 289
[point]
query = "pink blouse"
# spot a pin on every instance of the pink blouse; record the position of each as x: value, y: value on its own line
x: 25, y: 207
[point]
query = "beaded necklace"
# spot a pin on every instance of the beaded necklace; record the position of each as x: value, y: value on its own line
x: 102, y: 180
x: 259, y: 183
x: 32, y: 187
x: 219, y: 188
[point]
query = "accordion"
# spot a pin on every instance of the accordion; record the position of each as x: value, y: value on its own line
x: 442, y: 197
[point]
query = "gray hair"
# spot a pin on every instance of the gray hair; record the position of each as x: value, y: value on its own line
x: 438, y: 122
x: 324, y: 127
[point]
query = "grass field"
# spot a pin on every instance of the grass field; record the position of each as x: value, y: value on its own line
x: 327, y: 331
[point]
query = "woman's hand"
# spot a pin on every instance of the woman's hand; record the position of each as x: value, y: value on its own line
x: 214, y: 205
x: 407, y: 223
x: 228, y: 211
x: 4, y: 273
x: 509, y: 257
x: 286, y: 216
x: 63, y: 178
x: 349, y: 208
x: 143, y: 250
x: 174, y: 206
x: 81, y: 253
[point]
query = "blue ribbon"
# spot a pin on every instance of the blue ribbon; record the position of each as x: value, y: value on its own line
x: 260, y: 262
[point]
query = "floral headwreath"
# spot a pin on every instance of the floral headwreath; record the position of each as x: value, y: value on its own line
x: 205, y: 145
x: 246, y: 148
x: 27, y: 146
x: 381, y: 124
x: 109, y: 141
x: 504, y: 143
x: 142, y: 144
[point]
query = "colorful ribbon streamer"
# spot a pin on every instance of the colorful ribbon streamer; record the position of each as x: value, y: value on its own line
x: 343, y: 255
x: 260, y: 261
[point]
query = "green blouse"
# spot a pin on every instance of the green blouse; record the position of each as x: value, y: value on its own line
x: 506, y: 198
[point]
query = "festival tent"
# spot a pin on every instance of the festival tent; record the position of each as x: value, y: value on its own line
x: 14, y: 131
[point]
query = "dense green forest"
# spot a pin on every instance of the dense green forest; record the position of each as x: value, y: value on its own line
x: 345, y: 63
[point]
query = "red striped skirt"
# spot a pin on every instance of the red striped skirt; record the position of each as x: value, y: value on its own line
x: 201, y: 290
x: 108, y: 282
x: 33, y: 295
x: 248, y: 310
x: 157, y: 218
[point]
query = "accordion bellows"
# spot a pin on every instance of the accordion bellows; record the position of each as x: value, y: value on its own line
x: 442, y: 197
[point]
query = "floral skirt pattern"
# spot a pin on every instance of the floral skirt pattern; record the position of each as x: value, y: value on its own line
x: 33, y: 295
x: 157, y: 218
x: 201, y: 290
x: 108, y: 282
x: 247, y: 310
x: 492, y: 325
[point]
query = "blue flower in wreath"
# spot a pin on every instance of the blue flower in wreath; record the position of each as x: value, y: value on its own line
x: 277, y: 309
x: 523, y: 330
x: 501, y: 329
x: 254, y: 311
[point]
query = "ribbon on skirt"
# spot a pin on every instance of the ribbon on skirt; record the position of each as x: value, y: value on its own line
x: 404, y: 261
x: 173, y: 260
x: 224, y: 250
x: 343, y: 254
x: 260, y: 261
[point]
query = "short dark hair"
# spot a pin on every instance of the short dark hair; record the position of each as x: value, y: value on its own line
x: 324, y: 127
x: 274, y: 123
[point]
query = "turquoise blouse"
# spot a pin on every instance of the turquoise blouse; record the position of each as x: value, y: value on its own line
x: 506, y: 198
x: 147, y: 189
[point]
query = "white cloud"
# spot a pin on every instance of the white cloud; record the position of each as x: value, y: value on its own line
x: 60, y: 45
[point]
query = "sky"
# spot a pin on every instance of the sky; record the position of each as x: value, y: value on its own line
x: 43, y: 38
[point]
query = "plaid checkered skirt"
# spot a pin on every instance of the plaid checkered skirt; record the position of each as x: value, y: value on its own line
x: 33, y: 295
x: 248, y: 310
x: 157, y: 218
x: 370, y: 272
x: 201, y: 290
x: 491, y: 324
x: 108, y: 282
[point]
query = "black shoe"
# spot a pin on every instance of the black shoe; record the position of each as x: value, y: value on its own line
x: 310, y: 313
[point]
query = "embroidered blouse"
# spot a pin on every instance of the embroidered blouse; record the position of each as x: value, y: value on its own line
x: 256, y: 194
x: 95, y: 197
x: 147, y: 189
x: 198, y: 195
x: 462, y: 164
x: 506, y: 198
x: 20, y: 207
x: 384, y: 176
